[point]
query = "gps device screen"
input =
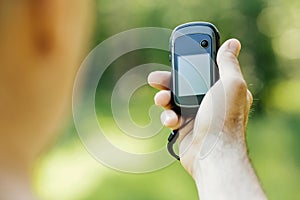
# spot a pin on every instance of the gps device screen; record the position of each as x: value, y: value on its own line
x: 193, y: 74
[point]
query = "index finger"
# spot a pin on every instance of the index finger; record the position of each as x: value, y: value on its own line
x: 160, y: 80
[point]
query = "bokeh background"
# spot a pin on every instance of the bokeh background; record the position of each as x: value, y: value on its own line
x: 269, y: 31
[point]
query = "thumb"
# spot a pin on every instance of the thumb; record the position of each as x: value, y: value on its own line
x: 227, y: 59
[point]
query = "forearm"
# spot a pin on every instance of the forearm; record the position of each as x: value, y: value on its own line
x: 226, y: 173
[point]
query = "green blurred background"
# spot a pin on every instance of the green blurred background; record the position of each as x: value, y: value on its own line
x: 269, y: 31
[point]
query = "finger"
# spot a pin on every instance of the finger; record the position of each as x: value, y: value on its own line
x: 160, y: 80
x: 227, y: 59
x: 163, y: 98
x: 170, y: 119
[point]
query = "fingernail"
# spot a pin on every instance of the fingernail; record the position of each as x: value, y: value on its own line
x: 234, y: 46
x: 165, y: 118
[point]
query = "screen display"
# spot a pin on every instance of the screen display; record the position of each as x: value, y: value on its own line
x: 193, y: 74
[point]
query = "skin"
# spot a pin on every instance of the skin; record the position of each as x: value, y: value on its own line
x: 221, y: 169
x: 42, y: 44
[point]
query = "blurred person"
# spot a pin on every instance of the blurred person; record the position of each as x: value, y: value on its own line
x: 42, y: 43
x: 226, y: 171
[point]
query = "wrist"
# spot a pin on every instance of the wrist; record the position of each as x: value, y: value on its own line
x: 226, y: 172
x: 223, y: 149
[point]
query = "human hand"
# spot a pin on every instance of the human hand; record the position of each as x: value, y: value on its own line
x: 222, y: 113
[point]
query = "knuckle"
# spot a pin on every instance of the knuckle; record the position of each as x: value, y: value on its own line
x: 236, y: 84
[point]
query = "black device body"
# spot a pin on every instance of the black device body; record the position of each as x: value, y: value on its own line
x: 193, y: 48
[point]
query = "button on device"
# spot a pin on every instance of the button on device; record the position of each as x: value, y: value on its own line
x: 170, y: 57
x: 204, y: 43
